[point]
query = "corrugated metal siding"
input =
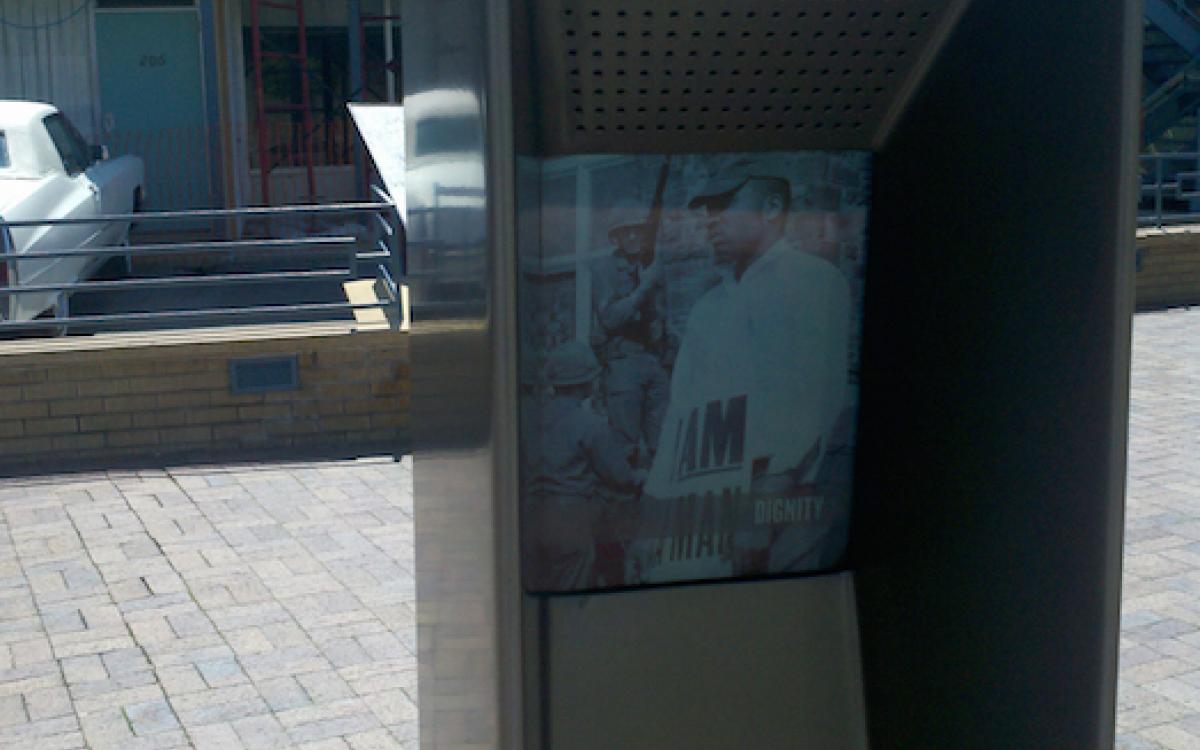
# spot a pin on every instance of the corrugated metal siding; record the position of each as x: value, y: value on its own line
x: 46, y: 54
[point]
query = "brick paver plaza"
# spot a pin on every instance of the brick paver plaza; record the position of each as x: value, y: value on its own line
x: 256, y: 606
x: 1159, y: 698
x: 270, y: 606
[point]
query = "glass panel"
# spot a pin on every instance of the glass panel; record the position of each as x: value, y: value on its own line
x: 4, y: 160
x: 79, y: 144
x: 70, y: 149
x: 689, y: 366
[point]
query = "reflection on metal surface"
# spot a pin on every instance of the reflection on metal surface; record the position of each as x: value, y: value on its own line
x: 447, y: 210
x: 454, y: 390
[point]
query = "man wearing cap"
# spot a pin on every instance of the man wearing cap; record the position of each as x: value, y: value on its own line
x: 759, y: 383
x: 567, y: 459
x: 629, y: 304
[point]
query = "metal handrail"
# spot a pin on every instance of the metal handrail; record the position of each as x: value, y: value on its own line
x: 380, y: 247
x: 214, y: 213
x: 115, y: 319
x: 311, y: 244
x: 1169, y: 189
x: 180, y: 281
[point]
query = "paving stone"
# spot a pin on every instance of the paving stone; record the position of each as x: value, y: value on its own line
x: 60, y: 733
x: 325, y: 686
x: 124, y: 696
x: 151, y: 717
x: 128, y: 681
x: 335, y: 743
x: 282, y: 693
x: 12, y: 710
x: 248, y: 641
x: 345, y: 652
x: 221, y: 672
x: 192, y: 623
x: 379, y: 739
x: 78, y: 669
x: 108, y: 728
x: 181, y: 679
x: 215, y: 737
x: 219, y: 705
x: 261, y: 733
x: 392, y: 707
x: 346, y: 718
x: 35, y: 651
x: 48, y: 703
x: 125, y: 660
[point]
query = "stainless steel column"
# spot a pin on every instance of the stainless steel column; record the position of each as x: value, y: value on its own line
x: 460, y: 267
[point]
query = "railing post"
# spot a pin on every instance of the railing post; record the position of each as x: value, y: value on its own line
x: 9, y: 247
x: 354, y: 29
x: 395, y: 249
x: 62, y: 308
x: 1158, y: 188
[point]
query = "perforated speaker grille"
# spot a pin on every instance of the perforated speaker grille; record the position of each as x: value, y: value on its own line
x: 700, y: 75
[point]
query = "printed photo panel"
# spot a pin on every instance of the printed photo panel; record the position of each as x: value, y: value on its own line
x: 689, y: 350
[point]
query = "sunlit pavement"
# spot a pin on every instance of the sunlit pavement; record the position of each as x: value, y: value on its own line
x: 251, y: 605
x: 1159, y: 696
x: 272, y: 605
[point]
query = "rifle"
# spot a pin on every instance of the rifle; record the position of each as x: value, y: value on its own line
x: 650, y: 236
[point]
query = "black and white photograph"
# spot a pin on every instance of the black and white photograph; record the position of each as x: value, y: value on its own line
x: 688, y: 359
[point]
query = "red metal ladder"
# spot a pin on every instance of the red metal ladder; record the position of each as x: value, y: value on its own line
x: 300, y: 59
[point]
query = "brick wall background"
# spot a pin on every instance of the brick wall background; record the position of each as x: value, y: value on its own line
x: 132, y: 396
x: 1168, y: 267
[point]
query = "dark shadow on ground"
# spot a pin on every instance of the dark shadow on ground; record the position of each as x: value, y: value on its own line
x: 231, y: 457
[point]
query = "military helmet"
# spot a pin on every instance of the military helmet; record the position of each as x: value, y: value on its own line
x: 572, y: 363
x: 626, y: 213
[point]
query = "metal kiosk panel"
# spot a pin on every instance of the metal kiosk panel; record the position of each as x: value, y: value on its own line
x: 985, y: 544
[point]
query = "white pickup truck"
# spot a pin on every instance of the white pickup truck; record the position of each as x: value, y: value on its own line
x: 48, y: 172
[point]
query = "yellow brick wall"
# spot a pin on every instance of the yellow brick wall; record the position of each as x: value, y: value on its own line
x: 1169, y: 273
x: 126, y: 396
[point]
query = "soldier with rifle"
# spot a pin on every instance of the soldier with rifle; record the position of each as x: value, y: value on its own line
x: 630, y: 309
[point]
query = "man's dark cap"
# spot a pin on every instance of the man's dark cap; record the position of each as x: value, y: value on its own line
x: 720, y: 187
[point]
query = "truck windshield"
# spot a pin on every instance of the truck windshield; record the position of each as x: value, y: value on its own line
x: 4, y: 160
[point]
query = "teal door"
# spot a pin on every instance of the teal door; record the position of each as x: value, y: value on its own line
x: 152, y: 100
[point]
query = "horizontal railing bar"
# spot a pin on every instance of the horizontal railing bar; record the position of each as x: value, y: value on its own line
x: 447, y: 275
x: 214, y: 213
x: 232, y: 246
x: 178, y: 281
x: 1171, y: 218
x: 235, y: 312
